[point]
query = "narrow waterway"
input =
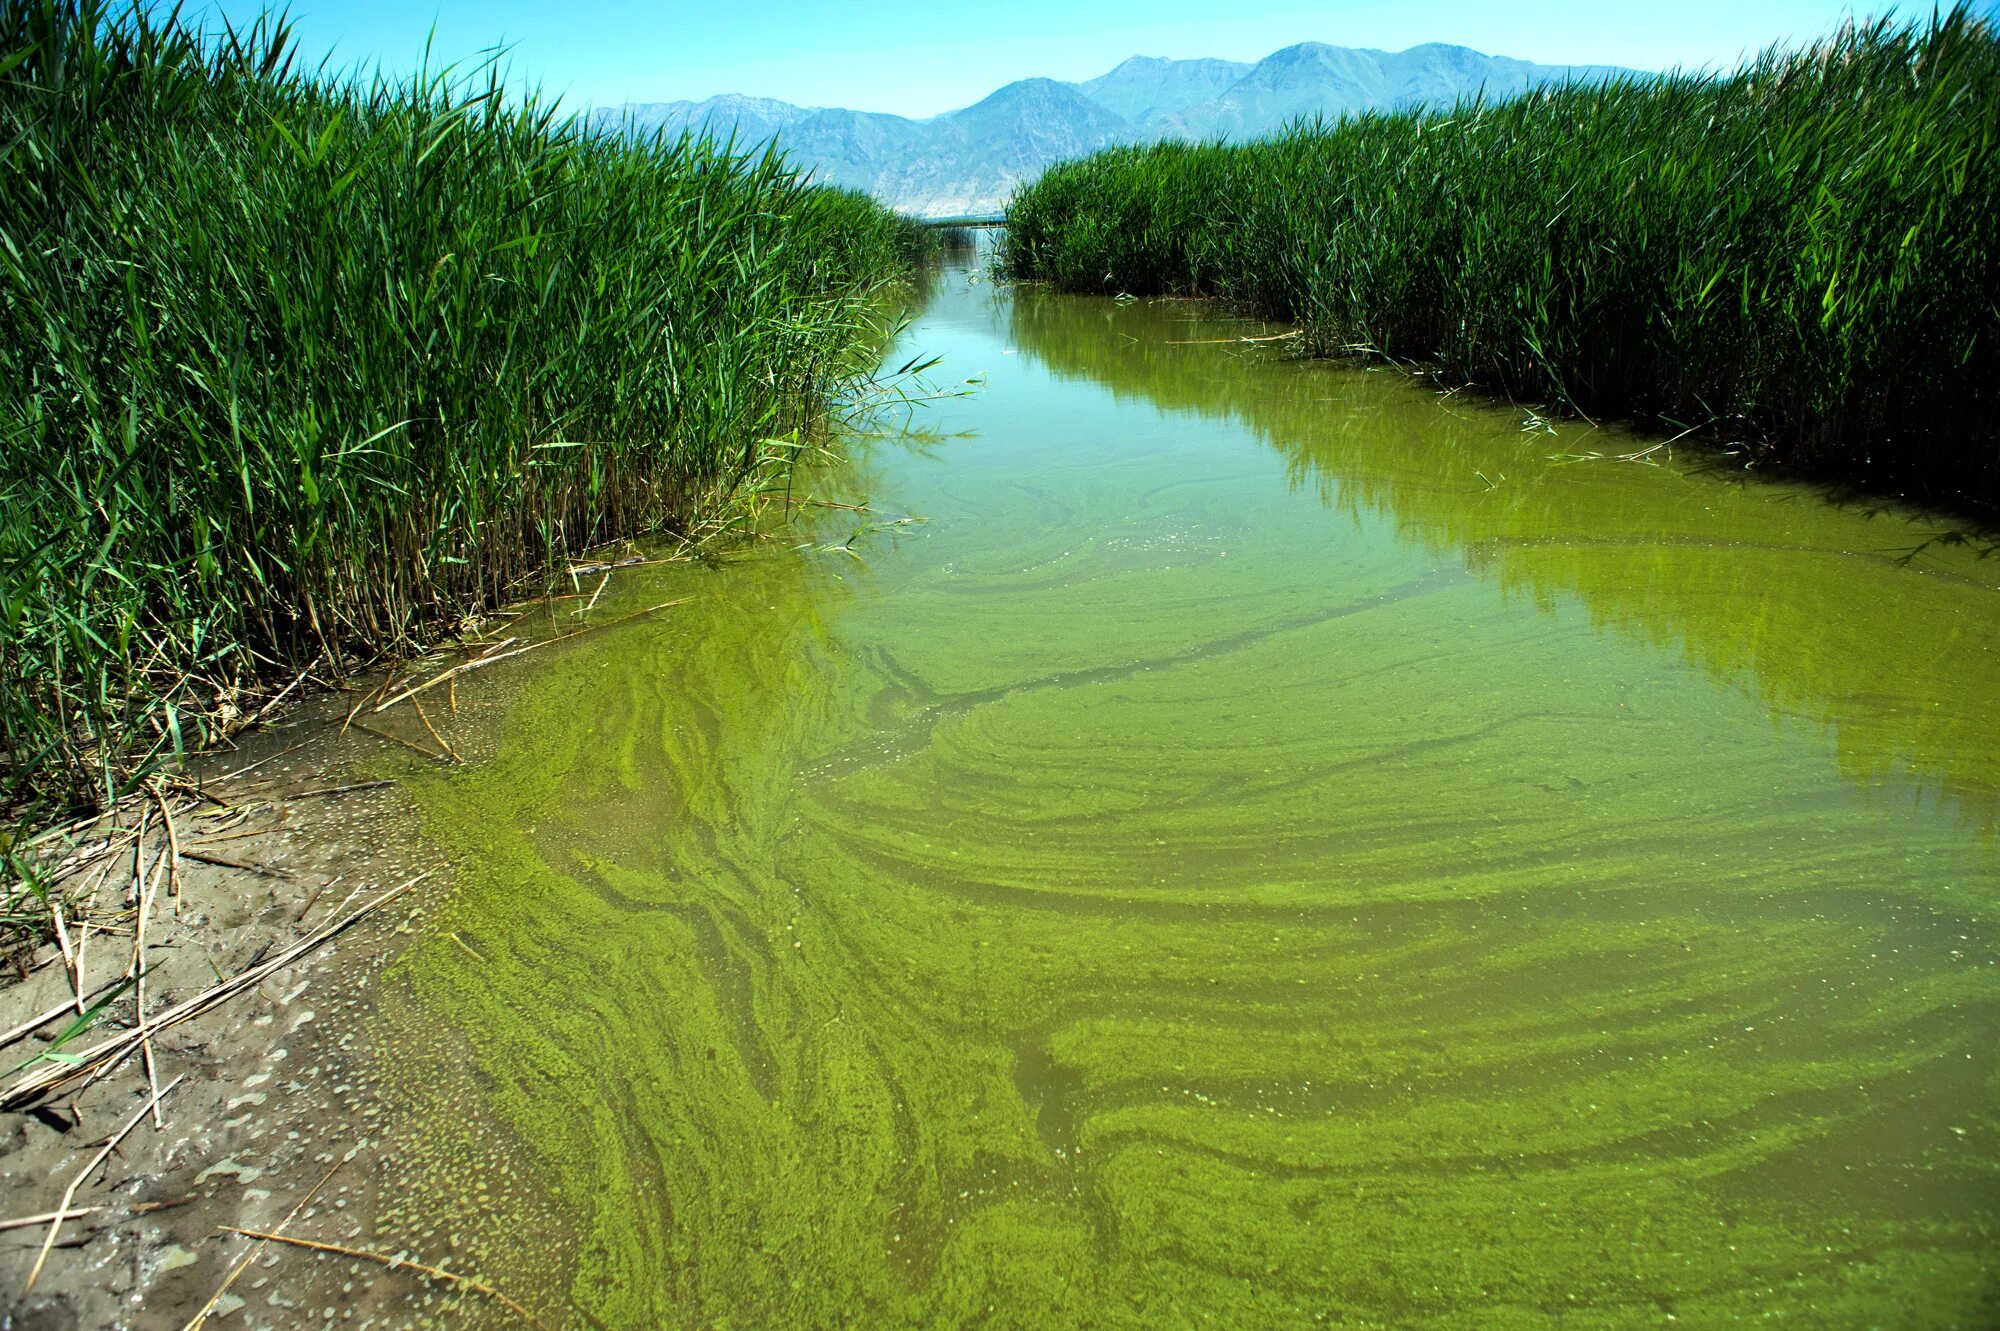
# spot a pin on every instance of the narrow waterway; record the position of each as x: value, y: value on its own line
x: 1275, y: 846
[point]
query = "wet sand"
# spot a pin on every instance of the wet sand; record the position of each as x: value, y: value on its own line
x: 281, y: 1085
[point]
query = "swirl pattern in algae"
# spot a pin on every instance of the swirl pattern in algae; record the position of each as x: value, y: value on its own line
x: 1276, y: 849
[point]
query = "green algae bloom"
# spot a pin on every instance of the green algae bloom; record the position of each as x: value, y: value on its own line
x: 1279, y: 847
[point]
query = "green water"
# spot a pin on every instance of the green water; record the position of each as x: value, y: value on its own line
x: 1275, y: 848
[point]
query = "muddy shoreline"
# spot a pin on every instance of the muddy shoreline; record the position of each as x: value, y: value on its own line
x: 286, y: 1086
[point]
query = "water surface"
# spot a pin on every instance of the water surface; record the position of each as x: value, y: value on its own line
x: 1278, y: 846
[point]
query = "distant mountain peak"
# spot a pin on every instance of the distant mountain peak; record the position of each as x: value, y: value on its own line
x: 969, y: 160
x: 1037, y: 91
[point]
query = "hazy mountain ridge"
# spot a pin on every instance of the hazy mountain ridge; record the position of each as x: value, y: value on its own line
x: 1147, y: 90
x: 970, y: 160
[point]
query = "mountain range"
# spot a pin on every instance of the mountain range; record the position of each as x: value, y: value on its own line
x: 968, y: 161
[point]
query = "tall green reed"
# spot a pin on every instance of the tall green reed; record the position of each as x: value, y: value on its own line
x: 1801, y: 255
x: 297, y: 369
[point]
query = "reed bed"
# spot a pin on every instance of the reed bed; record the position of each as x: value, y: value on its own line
x: 299, y: 368
x: 1800, y: 256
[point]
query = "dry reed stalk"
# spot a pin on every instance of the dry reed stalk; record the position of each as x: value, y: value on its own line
x: 137, y: 1208
x: 236, y: 816
x: 71, y: 963
x: 592, y: 604
x: 33, y: 1024
x: 364, y: 727
x: 80, y: 858
x: 62, y: 1211
x: 240, y: 836
x: 393, y: 1263
x: 62, y: 830
x: 491, y: 657
x: 339, y: 790
x: 136, y: 972
x: 221, y: 861
x: 634, y: 562
x: 492, y: 653
x: 279, y: 697
x: 200, y: 1318
x: 450, y: 752
x: 1215, y: 341
x: 30, y: 1221
x: 108, y: 1053
x: 173, y: 846
x: 96, y: 884
x: 246, y: 770
x: 314, y: 897
x: 352, y: 892
x: 388, y: 682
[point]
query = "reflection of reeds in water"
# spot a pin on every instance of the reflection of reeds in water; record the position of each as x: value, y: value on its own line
x: 1766, y: 584
x: 1052, y: 925
x: 297, y: 369
x: 1785, y: 254
x: 958, y: 239
x: 1056, y: 917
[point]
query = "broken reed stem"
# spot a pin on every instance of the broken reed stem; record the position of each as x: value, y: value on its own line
x: 29, y: 1221
x: 68, y: 951
x: 338, y: 790
x: 136, y: 972
x: 108, y: 1053
x: 396, y: 739
x: 352, y: 892
x: 76, y: 1212
x: 246, y: 833
x: 62, y: 1211
x: 33, y: 1024
x: 592, y: 604
x: 1214, y: 341
x: 82, y: 937
x: 200, y: 1318
x: 607, y: 624
x: 480, y: 662
x: 492, y: 653
x: 393, y: 1263
x: 76, y: 861
x: 450, y: 752
x: 279, y: 697
x: 463, y: 668
x: 388, y: 682
x: 247, y: 866
x: 317, y: 892
x: 173, y: 845
x: 246, y: 770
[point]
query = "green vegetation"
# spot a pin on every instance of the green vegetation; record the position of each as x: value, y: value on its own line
x: 1801, y: 255
x: 296, y: 370
x: 1236, y: 869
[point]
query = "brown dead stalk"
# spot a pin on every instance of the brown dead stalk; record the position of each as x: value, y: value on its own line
x: 493, y: 654
x: 393, y: 1263
x: 110, y: 1052
x: 62, y: 1211
x: 200, y: 1318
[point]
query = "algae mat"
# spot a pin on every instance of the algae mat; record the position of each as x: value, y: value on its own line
x: 1279, y: 846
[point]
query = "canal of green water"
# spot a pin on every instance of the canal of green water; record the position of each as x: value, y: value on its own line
x: 1276, y: 846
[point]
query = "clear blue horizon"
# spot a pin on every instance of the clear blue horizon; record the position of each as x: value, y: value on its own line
x: 620, y: 51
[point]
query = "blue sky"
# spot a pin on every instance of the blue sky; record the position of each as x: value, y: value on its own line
x: 919, y: 60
